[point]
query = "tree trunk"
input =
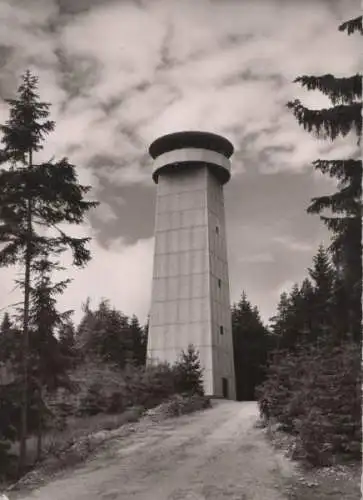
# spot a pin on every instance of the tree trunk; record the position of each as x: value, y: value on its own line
x: 25, y: 340
x: 40, y: 424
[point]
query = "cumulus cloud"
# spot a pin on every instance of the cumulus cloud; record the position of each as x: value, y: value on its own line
x: 120, y: 73
x: 292, y: 244
x: 121, y: 273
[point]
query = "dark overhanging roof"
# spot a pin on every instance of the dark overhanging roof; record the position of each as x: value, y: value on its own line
x: 191, y: 139
x: 222, y: 174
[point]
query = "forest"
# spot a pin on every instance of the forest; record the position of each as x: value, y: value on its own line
x: 303, y: 368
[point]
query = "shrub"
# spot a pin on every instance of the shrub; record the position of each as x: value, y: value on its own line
x: 104, y: 388
x: 93, y: 402
x: 151, y: 385
x: 188, y: 373
x: 315, y: 393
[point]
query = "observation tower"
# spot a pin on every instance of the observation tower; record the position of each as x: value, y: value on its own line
x: 190, y: 288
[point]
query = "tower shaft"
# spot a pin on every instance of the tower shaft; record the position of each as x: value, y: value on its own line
x: 190, y: 289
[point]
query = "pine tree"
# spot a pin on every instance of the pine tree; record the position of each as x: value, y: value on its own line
x: 67, y: 341
x: 48, y: 364
x: 106, y: 333
x: 34, y: 195
x: 251, y: 343
x: 284, y: 325
x: 323, y: 277
x: 138, y: 342
x: 8, y: 382
x: 293, y: 325
x: 189, y: 373
x: 344, y: 205
x: 9, y: 340
x: 278, y: 321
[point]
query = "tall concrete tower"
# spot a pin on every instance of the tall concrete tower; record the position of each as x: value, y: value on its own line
x: 190, y: 290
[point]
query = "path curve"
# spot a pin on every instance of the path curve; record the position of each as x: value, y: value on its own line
x: 216, y: 454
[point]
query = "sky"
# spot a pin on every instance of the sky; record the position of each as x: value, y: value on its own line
x: 121, y: 73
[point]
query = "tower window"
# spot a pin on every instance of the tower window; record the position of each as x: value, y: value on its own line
x: 217, y: 229
x: 219, y: 283
x: 221, y: 330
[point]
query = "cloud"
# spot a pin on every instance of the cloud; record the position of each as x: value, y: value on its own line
x: 258, y: 258
x: 121, y: 66
x: 121, y: 272
x: 285, y: 286
x: 120, y: 73
x: 292, y: 244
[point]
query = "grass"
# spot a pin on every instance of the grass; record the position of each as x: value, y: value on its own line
x: 73, y: 445
x: 332, y: 483
x: 57, y: 450
x: 336, y: 482
x: 77, y: 427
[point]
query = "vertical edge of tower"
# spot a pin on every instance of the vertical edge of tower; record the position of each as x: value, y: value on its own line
x: 171, y: 153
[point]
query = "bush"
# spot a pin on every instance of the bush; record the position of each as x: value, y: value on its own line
x: 315, y: 394
x: 93, y: 402
x: 188, y: 373
x: 104, y: 388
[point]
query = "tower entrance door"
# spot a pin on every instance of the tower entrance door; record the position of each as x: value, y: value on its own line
x: 225, y: 388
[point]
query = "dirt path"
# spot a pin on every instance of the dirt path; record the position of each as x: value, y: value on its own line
x: 213, y: 455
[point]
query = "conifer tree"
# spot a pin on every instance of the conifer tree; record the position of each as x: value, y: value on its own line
x: 106, y: 333
x: 293, y: 324
x: 283, y: 324
x: 251, y: 343
x: 138, y: 342
x: 188, y: 372
x: 34, y: 195
x: 345, y: 207
x: 9, y: 340
x: 67, y: 341
x: 323, y: 277
x: 48, y: 364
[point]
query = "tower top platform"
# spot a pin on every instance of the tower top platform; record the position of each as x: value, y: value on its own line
x: 189, y: 149
x: 191, y: 139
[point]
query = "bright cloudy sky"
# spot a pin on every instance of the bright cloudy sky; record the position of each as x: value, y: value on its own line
x: 120, y: 73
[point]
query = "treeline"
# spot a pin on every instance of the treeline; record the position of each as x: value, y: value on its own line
x: 311, y: 313
x: 56, y: 354
x: 98, y: 366
x: 313, y: 377
x: 45, y: 359
x: 304, y: 368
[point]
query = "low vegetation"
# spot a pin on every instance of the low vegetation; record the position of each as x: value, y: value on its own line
x: 315, y: 395
x: 60, y: 383
x: 104, y: 398
x: 312, y: 391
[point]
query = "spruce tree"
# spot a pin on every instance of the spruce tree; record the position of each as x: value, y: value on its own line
x: 48, y: 364
x: 283, y: 324
x: 138, y: 342
x: 34, y: 195
x: 105, y: 333
x: 323, y: 277
x: 188, y: 372
x: 9, y: 340
x: 67, y: 342
x: 251, y: 343
x: 293, y: 325
x: 345, y: 207
x: 278, y: 321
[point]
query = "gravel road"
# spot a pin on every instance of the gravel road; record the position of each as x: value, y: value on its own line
x: 213, y: 455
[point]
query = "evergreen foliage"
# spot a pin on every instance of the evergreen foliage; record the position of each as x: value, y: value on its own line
x: 340, y: 211
x: 112, y: 336
x: 352, y: 26
x: 314, y: 393
x: 313, y: 383
x: 32, y: 196
x: 188, y: 372
x: 251, y: 343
